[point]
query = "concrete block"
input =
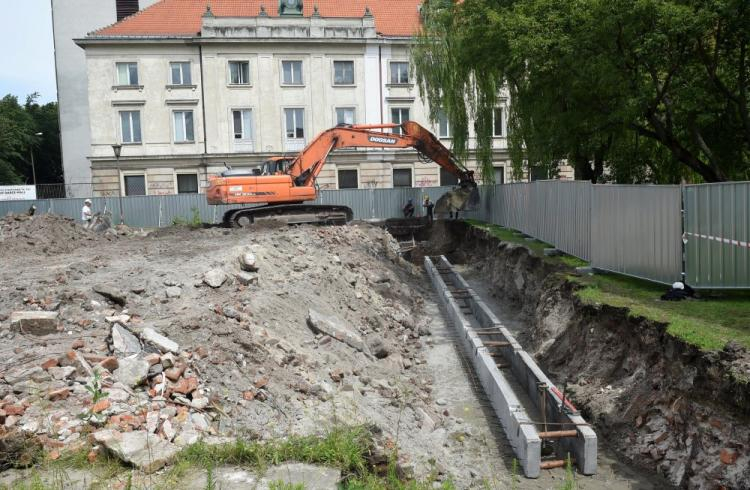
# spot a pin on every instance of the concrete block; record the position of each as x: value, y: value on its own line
x: 34, y: 322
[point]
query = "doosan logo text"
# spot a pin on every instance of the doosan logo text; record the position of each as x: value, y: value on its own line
x: 382, y: 139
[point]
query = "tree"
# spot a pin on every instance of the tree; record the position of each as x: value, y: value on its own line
x: 19, y: 125
x: 636, y: 90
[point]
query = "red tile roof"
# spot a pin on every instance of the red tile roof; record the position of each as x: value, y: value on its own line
x: 183, y: 17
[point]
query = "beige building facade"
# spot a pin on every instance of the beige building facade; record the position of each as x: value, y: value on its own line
x: 185, y: 107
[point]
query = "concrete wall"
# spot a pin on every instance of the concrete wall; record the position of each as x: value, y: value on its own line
x: 72, y: 19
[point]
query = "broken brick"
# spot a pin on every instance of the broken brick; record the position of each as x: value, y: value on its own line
x: 186, y: 385
x: 77, y: 344
x: 201, y: 352
x: 50, y: 363
x: 728, y: 456
x: 109, y: 363
x: 14, y: 409
x: 152, y: 358
x: 248, y: 395
x: 60, y: 394
x: 174, y: 373
x: 262, y: 382
x: 101, y: 406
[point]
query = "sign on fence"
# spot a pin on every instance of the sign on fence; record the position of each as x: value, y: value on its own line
x: 17, y: 192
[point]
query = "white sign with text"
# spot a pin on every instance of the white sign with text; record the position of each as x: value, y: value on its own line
x: 17, y: 192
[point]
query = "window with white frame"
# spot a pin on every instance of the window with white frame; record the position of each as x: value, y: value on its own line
x: 187, y: 183
x: 130, y: 126
x: 343, y: 73
x: 127, y: 73
x: 135, y: 185
x: 497, y: 122
x: 398, y: 116
x: 242, y: 123
x: 180, y: 73
x: 348, y: 178
x: 183, y: 126
x: 291, y: 72
x: 444, y: 130
x: 399, y: 72
x: 344, y: 115
x: 401, y: 177
x: 294, y: 122
x: 239, y: 73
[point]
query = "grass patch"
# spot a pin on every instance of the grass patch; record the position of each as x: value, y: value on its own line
x: 708, y: 323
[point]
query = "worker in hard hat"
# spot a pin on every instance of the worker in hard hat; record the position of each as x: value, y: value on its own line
x: 86, y: 214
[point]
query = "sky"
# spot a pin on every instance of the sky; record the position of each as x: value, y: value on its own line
x: 27, y: 52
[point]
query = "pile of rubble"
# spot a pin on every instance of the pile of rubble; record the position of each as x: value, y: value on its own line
x: 139, y: 394
x: 44, y: 233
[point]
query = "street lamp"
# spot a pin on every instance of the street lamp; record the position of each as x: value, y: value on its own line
x: 33, y: 168
x: 117, y: 148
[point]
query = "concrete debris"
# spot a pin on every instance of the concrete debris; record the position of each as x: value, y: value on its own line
x: 310, y: 476
x: 215, y: 278
x: 143, y: 450
x: 131, y: 371
x: 121, y: 319
x: 173, y: 292
x: 248, y: 262
x: 34, y: 322
x: 333, y: 328
x: 123, y: 342
x: 161, y: 342
x: 111, y: 293
x: 246, y: 278
x: 35, y: 373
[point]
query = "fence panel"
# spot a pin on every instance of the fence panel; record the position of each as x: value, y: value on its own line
x: 717, y: 234
x: 636, y: 230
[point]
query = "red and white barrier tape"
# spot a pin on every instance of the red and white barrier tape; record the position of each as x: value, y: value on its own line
x: 720, y: 239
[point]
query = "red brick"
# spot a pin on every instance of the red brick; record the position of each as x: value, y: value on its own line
x: 60, y: 394
x: 14, y: 409
x: 50, y: 363
x: 174, y: 373
x: 186, y: 385
x: 77, y: 344
x: 728, y: 456
x: 109, y: 363
x: 101, y: 406
x: 152, y: 358
x: 248, y: 395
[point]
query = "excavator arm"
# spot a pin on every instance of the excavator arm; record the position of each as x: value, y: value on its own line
x: 311, y: 160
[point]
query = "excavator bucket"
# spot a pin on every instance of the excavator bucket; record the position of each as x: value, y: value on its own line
x: 460, y: 199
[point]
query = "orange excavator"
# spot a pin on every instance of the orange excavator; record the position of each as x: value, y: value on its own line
x: 282, y: 186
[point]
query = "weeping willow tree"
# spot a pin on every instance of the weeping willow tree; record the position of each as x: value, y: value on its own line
x: 631, y: 91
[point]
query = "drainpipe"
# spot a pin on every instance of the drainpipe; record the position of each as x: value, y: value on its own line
x: 203, y: 112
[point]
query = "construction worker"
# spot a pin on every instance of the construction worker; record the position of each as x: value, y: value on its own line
x: 409, y: 209
x: 428, y: 206
x: 86, y: 213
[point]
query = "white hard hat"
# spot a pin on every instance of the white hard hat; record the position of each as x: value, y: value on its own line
x: 87, y: 201
x: 678, y: 285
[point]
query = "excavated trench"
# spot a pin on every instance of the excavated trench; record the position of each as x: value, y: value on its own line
x: 664, y: 406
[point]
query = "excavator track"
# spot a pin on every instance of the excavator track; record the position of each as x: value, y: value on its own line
x: 291, y: 214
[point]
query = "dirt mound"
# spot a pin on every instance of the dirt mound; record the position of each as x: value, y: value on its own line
x: 45, y: 233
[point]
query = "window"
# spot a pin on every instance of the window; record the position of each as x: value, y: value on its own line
x: 447, y: 178
x: 348, y: 179
x: 343, y: 73
x: 135, y: 185
x: 398, y: 116
x: 344, y: 115
x: 183, y: 126
x: 180, y: 73
x: 399, y: 72
x: 291, y: 72
x: 242, y: 123
x: 130, y: 126
x: 497, y: 123
x: 499, y: 175
x: 239, y: 73
x: 444, y: 130
x: 294, y: 123
x: 127, y: 73
x: 187, y: 183
x: 401, y: 177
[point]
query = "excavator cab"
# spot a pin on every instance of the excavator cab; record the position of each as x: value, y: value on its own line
x: 276, y: 166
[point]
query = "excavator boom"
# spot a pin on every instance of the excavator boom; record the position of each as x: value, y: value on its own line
x: 294, y: 183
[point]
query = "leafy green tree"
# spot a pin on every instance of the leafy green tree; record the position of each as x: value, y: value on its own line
x: 632, y: 90
x: 19, y: 125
